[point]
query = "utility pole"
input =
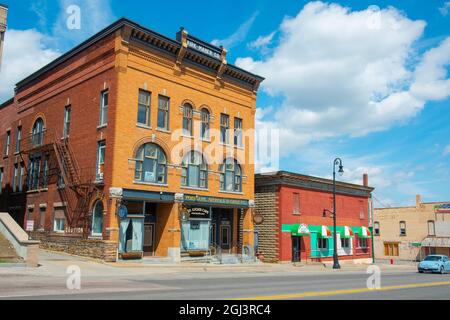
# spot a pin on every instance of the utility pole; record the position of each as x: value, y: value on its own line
x: 3, y: 16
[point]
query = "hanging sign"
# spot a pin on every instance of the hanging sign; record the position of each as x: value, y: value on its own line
x: 198, y: 212
x: 122, y: 211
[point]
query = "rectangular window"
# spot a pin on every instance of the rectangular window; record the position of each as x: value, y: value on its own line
x: 296, y: 203
x: 34, y: 172
x: 362, y: 242
x: 391, y: 249
x: 18, y: 139
x: 144, y: 108
x: 101, y: 160
x: 104, y: 100
x: 7, y: 143
x: 224, y: 128
x: 402, y: 228
x: 21, y: 175
x: 67, y: 116
x: 59, y: 221
x: 1, y: 180
x: 188, y: 114
x: 163, y: 113
x: 15, y: 177
x: 42, y: 218
x: 376, y: 228
x: 238, y: 132
x: 345, y: 243
x: 46, y: 167
x: 322, y: 243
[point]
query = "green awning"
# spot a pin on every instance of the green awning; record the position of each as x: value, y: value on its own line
x: 345, y: 232
x: 364, y: 232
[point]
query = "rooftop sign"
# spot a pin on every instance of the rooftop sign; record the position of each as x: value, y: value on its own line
x: 203, y: 47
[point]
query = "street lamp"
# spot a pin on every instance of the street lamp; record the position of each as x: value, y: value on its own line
x: 337, y: 162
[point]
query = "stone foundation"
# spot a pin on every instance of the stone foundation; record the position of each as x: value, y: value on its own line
x: 76, y: 245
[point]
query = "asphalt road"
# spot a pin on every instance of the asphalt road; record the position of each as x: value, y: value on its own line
x: 348, y: 285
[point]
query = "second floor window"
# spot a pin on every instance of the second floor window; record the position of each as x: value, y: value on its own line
x: 67, y: 116
x: 144, y: 108
x: 18, y: 139
x: 151, y: 164
x: 224, y: 127
x: 194, y: 171
x: 34, y: 171
x: 104, y: 101
x: 101, y: 160
x: 431, y: 228
x: 1, y: 180
x: 238, y: 132
x: 296, y: 203
x: 45, y: 175
x: 402, y: 228
x: 230, y: 176
x: 187, y: 120
x: 376, y: 228
x: 163, y: 113
x: 206, y: 119
x: 38, y: 133
x: 7, y: 143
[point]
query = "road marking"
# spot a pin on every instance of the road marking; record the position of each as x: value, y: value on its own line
x: 346, y: 291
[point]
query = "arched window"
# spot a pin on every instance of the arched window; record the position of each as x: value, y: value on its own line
x: 402, y: 228
x: 38, y: 132
x: 97, y: 219
x: 230, y: 176
x: 151, y: 164
x: 206, y: 119
x: 195, y: 171
x: 187, y: 119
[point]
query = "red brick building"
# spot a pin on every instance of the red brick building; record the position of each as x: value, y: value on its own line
x: 294, y: 227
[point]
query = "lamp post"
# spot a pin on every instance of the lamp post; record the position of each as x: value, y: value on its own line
x: 337, y: 162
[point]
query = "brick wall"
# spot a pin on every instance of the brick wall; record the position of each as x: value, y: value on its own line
x: 266, y: 199
x: 92, y: 248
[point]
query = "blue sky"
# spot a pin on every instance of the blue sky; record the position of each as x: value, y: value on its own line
x: 363, y: 80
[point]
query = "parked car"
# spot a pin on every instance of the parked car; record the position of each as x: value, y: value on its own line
x: 435, y: 263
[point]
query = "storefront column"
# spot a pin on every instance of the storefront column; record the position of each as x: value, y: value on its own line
x: 111, y: 219
x: 248, y: 238
x: 235, y: 231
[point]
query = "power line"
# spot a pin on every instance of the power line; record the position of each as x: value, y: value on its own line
x: 385, y: 206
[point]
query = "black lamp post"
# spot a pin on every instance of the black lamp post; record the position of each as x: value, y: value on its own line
x: 337, y: 162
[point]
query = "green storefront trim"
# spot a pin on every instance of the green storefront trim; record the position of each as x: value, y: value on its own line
x: 314, y: 236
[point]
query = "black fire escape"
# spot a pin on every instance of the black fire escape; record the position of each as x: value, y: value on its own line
x: 76, y: 186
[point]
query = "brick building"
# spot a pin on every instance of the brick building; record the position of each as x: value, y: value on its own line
x: 3, y: 19
x: 294, y: 228
x: 412, y: 232
x: 133, y: 144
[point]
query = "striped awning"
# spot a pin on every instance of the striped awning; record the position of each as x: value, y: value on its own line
x: 364, y: 232
x: 324, y: 232
x: 346, y: 232
x: 438, y: 242
x: 300, y: 230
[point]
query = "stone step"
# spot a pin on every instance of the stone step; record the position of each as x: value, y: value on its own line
x: 7, y: 251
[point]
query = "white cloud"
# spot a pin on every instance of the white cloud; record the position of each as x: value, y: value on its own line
x: 343, y: 72
x: 444, y: 9
x: 23, y: 54
x: 262, y: 41
x: 446, y: 151
x: 238, y: 36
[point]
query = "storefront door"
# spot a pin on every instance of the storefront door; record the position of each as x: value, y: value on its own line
x: 149, y: 239
x: 225, y: 238
x: 296, y: 248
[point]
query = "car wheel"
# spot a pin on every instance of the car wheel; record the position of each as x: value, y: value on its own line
x: 420, y: 271
x: 442, y: 270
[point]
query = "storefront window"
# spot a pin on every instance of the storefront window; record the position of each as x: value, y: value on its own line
x: 231, y: 176
x: 151, y: 164
x: 195, y: 235
x: 195, y: 171
x: 97, y: 219
x: 322, y: 243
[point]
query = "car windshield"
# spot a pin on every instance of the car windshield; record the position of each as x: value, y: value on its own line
x: 432, y: 258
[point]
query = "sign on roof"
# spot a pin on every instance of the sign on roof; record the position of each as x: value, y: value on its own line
x: 203, y: 48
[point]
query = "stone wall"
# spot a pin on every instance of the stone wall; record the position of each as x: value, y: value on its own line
x: 76, y: 245
x: 266, y: 199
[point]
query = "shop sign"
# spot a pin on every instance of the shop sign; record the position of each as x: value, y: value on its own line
x: 198, y: 212
x: 30, y: 225
x: 258, y: 218
x: 442, y: 208
x: 215, y: 200
x: 123, y: 211
x: 197, y: 46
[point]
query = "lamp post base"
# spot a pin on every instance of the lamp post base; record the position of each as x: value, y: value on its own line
x: 336, y: 264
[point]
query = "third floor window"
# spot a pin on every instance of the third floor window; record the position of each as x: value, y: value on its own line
x: 163, y: 113
x: 67, y: 116
x: 187, y: 120
x: 18, y: 139
x: 104, y: 101
x: 224, y: 127
x: 143, y: 117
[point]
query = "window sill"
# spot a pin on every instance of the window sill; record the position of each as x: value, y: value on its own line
x: 225, y: 144
x: 194, y: 188
x: 37, y: 191
x: 16, y: 153
x: 205, y: 140
x: 151, y: 184
x: 99, y: 182
x: 143, y: 126
x: 66, y: 138
x: 96, y: 237
x: 187, y: 137
x: 232, y: 192
x: 58, y: 232
x: 163, y: 130
x: 239, y: 147
x: 102, y: 126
